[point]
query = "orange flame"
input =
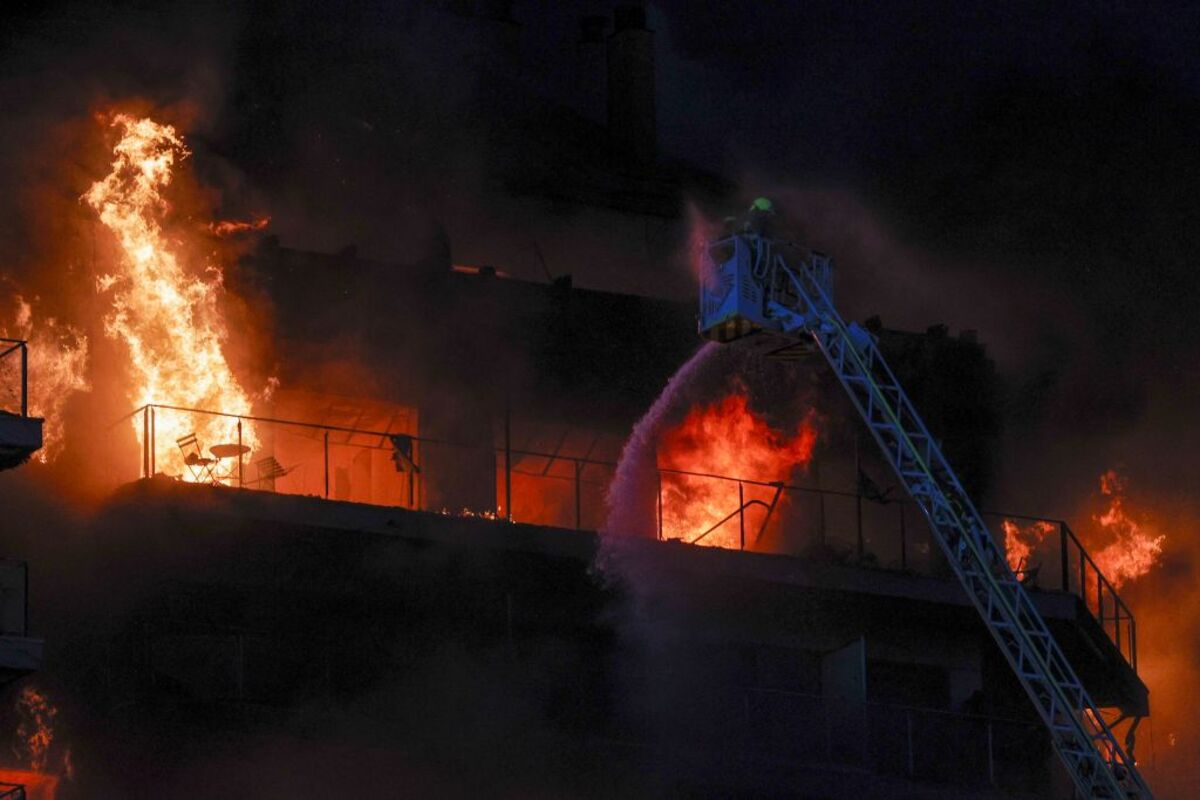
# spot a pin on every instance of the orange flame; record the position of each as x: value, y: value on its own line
x: 231, y: 227
x: 1020, y: 542
x: 167, y: 318
x: 37, y: 785
x: 1122, y: 548
x: 58, y: 357
x: 1131, y: 550
x: 727, y: 439
x: 35, y: 731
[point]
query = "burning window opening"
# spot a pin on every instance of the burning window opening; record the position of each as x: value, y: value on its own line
x: 726, y: 438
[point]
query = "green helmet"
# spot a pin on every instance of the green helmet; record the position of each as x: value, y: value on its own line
x: 762, y: 204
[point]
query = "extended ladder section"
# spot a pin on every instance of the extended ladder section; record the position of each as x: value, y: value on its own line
x: 749, y: 288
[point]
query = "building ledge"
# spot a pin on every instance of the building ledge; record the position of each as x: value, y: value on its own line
x: 878, y: 593
x: 19, y: 656
x: 20, y: 437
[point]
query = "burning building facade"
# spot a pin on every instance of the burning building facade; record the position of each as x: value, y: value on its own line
x: 364, y: 537
x: 425, y: 536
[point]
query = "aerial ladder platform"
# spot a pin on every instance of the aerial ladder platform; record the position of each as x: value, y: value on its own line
x: 751, y: 292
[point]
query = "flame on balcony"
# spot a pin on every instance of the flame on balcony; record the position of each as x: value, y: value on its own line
x: 58, y: 359
x: 1123, y: 548
x: 163, y: 309
x: 1020, y: 541
x: 726, y: 438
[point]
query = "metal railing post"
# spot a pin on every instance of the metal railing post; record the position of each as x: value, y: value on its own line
x: 241, y: 481
x: 153, y: 442
x: 146, y: 441
x: 412, y: 480
x: 508, y: 461
x: 1064, y: 556
x: 326, y: 465
x: 1082, y: 575
x: 658, y: 472
x: 1117, y: 624
x: 24, y: 379
x: 1133, y: 642
x: 741, y: 516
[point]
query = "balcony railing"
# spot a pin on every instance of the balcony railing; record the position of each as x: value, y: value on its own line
x: 552, y: 488
x: 14, y: 376
x: 1062, y: 556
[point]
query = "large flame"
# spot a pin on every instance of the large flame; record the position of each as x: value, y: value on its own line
x: 727, y: 439
x: 1021, y: 540
x: 167, y: 317
x: 1131, y: 550
x: 1122, y: 548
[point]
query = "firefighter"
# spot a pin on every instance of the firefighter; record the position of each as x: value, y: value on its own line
x: 758, y: 217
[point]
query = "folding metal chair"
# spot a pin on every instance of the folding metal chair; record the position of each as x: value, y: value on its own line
x: 200, y: 465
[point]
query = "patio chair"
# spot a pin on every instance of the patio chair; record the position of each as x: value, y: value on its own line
x: 200, y: 465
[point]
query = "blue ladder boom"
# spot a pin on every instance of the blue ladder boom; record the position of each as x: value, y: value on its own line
x: 750, y: 292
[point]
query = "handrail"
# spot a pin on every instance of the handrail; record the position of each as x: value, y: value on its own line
x: 1121, y: 614
x: 739, y: 510
x: 23, y: 346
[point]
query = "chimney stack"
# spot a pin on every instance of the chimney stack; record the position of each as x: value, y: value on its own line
x: 591, y: 79
x: 631, y: 103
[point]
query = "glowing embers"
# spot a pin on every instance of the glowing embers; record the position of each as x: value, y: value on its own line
x: 36, y: 747
x: 35, y: 732
x: 726, y: 439
x: 164, y: 312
